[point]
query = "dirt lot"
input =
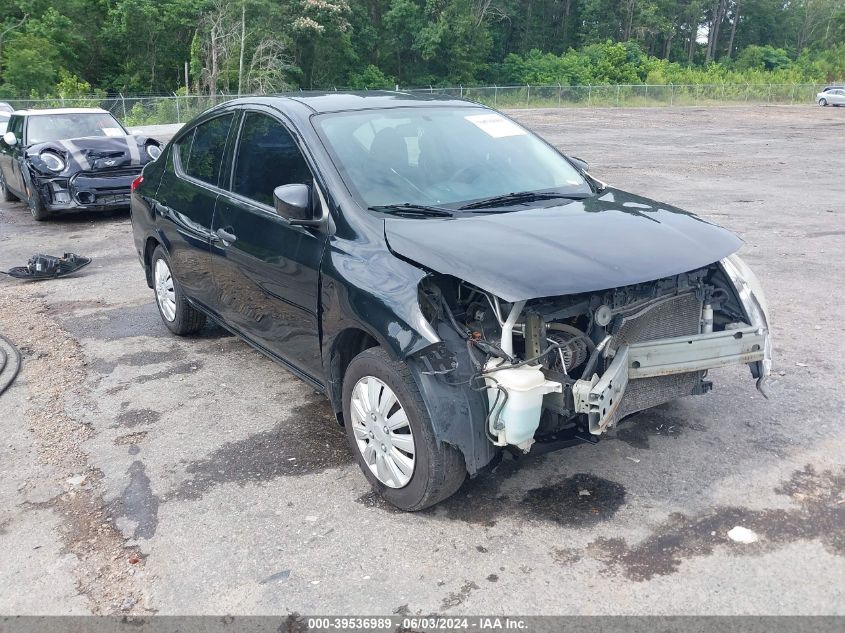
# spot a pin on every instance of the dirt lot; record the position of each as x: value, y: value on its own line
x: 144, y: 473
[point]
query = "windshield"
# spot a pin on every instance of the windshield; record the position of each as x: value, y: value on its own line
x: 434, y: 156
x: 56, y: 127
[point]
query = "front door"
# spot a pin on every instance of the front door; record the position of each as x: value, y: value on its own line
x: 10, y: 156
x: 266, y: 271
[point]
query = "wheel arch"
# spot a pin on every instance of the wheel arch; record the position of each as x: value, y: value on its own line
x: 345, y: 346
x: 150, y: 244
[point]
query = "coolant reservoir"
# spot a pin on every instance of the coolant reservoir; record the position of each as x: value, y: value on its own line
x: 515, y: 420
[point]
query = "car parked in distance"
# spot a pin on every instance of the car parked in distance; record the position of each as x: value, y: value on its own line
x: 70, y: 159
x: 4, y: 122
x: 832, y: 96
x: 454, y: 284
x: 5, y: 107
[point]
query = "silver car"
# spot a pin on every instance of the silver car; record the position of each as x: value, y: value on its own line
x: 835, y: 97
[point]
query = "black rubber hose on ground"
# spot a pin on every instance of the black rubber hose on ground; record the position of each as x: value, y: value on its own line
x: 4, y: 360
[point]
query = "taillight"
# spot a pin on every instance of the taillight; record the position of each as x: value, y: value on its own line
x: 136, y: 183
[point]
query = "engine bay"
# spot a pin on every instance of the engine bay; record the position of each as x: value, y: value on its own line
x: 561, y: 364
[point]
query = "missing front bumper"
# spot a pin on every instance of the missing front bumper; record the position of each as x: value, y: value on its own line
x: 601, y: 396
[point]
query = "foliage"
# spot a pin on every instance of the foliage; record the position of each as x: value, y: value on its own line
x: 55, y: 47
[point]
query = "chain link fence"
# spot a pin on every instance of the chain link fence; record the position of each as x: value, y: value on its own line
x: 161, y: 109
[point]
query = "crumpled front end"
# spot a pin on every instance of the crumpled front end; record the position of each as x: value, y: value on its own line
x: 565, y: 369
x: 88, y: 174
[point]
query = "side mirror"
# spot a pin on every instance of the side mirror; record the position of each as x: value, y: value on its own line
x: 580, y: 163
x: 10, y: 139
x: 294, y: 203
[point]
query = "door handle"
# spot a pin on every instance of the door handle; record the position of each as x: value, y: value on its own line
x: 225, y: 236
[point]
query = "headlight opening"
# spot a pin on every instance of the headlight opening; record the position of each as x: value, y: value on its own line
x: 153, y: 151
x: 53, y: 161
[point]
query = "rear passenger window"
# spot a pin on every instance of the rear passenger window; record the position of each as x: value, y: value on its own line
x: 201, y: 153
x: 267, y: 158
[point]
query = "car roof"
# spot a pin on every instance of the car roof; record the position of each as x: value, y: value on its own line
x: 322, y: 102
x: 62, y: 111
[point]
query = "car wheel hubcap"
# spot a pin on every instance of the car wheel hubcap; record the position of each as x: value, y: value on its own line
x: 165, y: 292
x: 382, y: 432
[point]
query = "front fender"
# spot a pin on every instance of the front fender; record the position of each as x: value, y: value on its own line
x: 378, y: 294
x: 375, y: 292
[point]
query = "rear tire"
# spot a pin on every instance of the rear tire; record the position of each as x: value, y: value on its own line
x: 178, y: 315
x: 438, y: 468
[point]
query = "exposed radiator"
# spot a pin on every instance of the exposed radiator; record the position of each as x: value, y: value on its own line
x: 667, y: 318
x: 663, y: 318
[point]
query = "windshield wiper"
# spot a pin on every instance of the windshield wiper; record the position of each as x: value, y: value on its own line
x: 519, y: 197
x: 409, y: 208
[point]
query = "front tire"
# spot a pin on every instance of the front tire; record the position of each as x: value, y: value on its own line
x: 178, y: 315
x: 822, y: 102
x: 5, y: 194
x: 390, y: 433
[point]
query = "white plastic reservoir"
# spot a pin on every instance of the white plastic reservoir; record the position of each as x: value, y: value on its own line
x: 515, y: 420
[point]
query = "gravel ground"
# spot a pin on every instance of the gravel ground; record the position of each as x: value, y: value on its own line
x: 142, y: 473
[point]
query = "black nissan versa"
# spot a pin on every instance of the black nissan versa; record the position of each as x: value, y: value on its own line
x: 455, y: 285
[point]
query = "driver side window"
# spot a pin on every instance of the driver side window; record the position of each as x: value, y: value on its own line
x: 267, y: 157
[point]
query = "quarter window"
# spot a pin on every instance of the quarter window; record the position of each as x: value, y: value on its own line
x: 201, y: 153
x: 267, y: 158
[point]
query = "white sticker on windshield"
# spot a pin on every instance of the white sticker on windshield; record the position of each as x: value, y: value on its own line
x: 113, y: 131
x: 495, y: 125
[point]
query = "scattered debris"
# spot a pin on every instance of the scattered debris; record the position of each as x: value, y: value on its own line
x: 49, y: 266
x: 279, y: 576
x: 76, y: 480
x: 583, y: 493
x: 743, y: 535
x: 633, y: 459
x: 8, y: 370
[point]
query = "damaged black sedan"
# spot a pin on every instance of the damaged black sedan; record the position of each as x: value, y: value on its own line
x: 455, y: 285
x: 71, y: 159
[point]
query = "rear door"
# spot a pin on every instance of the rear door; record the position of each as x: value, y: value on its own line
x: 266, y: 270
x: 186, y: 199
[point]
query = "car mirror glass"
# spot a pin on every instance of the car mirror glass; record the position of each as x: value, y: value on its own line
x: 10, y: 139
x: 294, y: 203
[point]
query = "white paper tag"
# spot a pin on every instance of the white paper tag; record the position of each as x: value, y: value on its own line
x: 113, y: 131
x: 495, y: 125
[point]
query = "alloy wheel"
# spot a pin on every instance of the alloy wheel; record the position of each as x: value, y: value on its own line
x: 164, y: 289
x: 382, y: 432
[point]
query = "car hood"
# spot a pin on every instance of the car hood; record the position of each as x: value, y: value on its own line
x: 609, y: 240
x: 95, y: 152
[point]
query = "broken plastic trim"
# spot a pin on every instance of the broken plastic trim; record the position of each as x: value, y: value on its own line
x: 49, y: 266
x: 750, y: 293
